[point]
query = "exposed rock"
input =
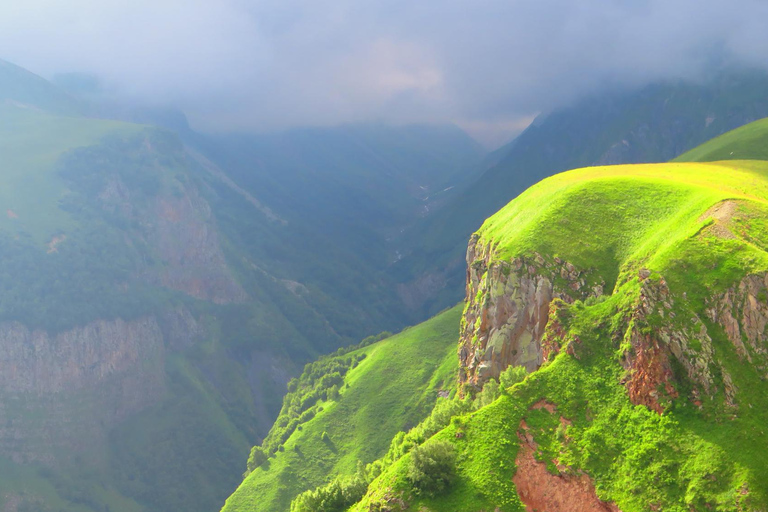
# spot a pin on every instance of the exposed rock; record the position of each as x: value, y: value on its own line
x: 34, y: 362
x: 60, y: 394
x: 540, y: 490
x: 177, y: 223
x: 180, y: 329
x: 185, y: 238
x: 742, y: 312
x: 508, y: 309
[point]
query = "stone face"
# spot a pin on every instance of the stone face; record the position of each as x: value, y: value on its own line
x: 511, y: 318
x: 742, y: 312
x: 60, y: 394
x: 180, y: 227
x: 508, y: 310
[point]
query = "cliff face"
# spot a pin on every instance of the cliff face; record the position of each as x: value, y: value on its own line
x: 511, y: 318
x: 60, y: 394
x: 179, y: 226
x: 508, y: 306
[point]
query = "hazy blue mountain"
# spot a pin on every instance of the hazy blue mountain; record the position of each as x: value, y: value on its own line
x: 654, y: 124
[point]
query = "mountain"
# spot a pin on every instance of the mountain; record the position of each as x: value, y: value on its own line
x: 22, y: 88
x: 635, y: 298
x: 654, y: 124
x: 346, y: 194
x: 646, y: 338
x: 154, y: 303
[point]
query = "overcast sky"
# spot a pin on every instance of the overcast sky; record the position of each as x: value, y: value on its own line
x: 487, y: 65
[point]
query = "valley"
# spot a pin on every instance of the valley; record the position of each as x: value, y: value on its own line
x: 597, y: 332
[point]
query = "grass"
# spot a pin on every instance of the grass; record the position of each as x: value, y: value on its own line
x: 745, y: 143
x: 616, y: 220
x: 31, y: 142
x: 390, y: 390
x: 678, y: 461
x: 612, y: 218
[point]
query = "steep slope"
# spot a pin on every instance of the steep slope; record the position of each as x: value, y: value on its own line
x: 24, y: 89
x: 639, y: 295
x: 116, y: 322
x: 654, y: 124
x: 383, y: 388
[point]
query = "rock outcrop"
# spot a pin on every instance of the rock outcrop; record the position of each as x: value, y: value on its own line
x: 541, y: 490
x: 37, y: 363
x: 177, y: 223
x: 511, y: 318
x: 60, y: 394
x: 742, y: 312
x: 508, y: 309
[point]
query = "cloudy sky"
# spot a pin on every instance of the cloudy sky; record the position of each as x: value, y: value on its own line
x: 487, y: 65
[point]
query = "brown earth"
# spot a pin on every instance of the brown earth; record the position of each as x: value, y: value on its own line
x: 541, y: 491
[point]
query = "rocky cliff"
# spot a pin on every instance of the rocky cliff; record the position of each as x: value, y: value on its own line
x: 59, y: 394
x: 507, y: 308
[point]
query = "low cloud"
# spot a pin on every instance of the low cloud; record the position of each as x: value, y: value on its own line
x: 271, y: 64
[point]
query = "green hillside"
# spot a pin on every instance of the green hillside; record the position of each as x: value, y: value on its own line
x: 696, y: 440
x: 31, y: 142
x: 23, y: 89
x: 76, y: 263
x: 391, y: 387
x: 745, y: 143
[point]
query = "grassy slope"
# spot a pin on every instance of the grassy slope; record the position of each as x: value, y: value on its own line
x: 20, y: 87
x: 617, y: 219
x: 30, y: 144
x: 391, y: 390
x: 151, y: 457
x: 747, y: 142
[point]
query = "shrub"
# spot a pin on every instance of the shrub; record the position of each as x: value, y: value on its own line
x: 432, y: 467
x: 256, y: 458
x: 337, y: 496
x: 489, y: 393
x: 511, y: 376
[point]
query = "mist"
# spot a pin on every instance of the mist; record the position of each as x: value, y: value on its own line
x: 486, y: 65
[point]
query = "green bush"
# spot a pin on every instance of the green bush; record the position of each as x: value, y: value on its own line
x: 337, y: 496
x: 256, y: 458
x: 511, y: 376
x: 489, y: 393
x: 432, y: 467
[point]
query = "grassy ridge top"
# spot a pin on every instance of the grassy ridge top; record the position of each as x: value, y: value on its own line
x: 614, y: 218
x: 391, y: 389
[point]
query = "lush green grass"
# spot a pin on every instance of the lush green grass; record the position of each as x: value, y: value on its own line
x: 745, y: 143
x: 635, y: 457
x: 390, y: 390
x: 616, y: 220
x: 619, y: 217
